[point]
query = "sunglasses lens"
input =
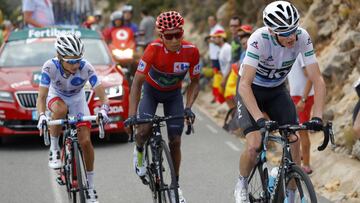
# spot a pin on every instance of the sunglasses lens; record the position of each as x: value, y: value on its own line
x: 177, y: 35
x: 72, y: 61
x: 287, y: 34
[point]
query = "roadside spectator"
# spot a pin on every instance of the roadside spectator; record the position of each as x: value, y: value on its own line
x: 219, y: 38
x: 356, y: 115
x: 234, y: 25
x: 147, y: 28
x: 128, y: 12
x: 302, y: 94
x: 214, y: 57
x: 244, y: 33
x: 38, y: 13
x: 98, y: 25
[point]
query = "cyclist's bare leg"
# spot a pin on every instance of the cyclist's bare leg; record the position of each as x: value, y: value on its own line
x: 58, y: 111
x: 175, y: 150
x: 142, y: 135
x: 356, y: 126
x: 295, y: 150
x: 86, y: 146
x: 305, y: 147
x: 248, y: 157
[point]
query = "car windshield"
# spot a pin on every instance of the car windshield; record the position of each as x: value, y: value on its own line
x: 34, y: 52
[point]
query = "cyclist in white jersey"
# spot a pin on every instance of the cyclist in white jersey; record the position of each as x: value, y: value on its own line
x: 61, y: 92
x: 271, y: 51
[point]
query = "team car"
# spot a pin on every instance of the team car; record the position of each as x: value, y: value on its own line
x: 21, y: 59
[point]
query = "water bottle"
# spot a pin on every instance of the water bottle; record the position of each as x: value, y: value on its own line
x: 272, y: 178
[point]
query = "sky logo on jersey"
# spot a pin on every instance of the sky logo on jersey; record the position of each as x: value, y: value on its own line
x: 255, y: 45
x: 197, y: 69
x: 77, y: 81
x: 141, y: 66
x: 45, y: 79
x: 180, y: 67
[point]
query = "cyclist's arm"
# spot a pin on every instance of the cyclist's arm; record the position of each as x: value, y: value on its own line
x: 100, y: 92
x: 308, y: 87
x: 192, y: 92
x: 135, y: 92
x: 41, y: 100
x: 246, y: 93
x: 314, y: 75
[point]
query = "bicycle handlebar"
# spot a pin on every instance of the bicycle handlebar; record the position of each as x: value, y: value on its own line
x: 327, y: 130
x: 157, y: 120
x: 71, y: 121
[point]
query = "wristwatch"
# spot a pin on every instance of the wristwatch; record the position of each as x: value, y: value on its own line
x: 303, y: 99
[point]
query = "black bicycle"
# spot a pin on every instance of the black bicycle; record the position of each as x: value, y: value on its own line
x: 160, y: 176
x: 72, y: 173
x: 289, y: 175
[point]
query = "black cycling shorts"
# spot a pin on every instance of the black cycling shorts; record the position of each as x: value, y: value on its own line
x: 173, y: 105
x: 275, y: 102
x: 356, y: 111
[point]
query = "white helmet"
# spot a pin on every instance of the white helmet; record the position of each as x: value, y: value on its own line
x: 69, y: 44
x: 281, y: 16
x: 116, y: 15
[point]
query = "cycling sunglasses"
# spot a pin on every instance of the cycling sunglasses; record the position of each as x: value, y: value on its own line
x: 72, y: 61
x: 177, y: 35
x: 288, y: 34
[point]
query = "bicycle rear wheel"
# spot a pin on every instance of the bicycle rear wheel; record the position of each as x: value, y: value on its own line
x: 257, y: 184
x: 299, y: 182
x: 80, y: 173
x: 168, y: 190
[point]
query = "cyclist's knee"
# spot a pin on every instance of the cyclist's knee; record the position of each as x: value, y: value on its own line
x: 59, y: 109
x: 252, y: 151
x: 84, y: 136
x: 175, y: 141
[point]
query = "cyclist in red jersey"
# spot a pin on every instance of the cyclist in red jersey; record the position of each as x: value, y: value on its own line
x: 163, y: 66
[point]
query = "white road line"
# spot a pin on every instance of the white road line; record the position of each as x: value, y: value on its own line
x: 212, y: 129
x: 232, y: 146
x: 55, y: 187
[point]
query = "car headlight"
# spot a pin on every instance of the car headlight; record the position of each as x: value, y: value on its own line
x: 111, y: 92
x: 6, y: 96
x: 123, y: 54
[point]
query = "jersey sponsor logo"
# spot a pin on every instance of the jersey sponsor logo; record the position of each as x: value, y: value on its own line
x: 255, y: 44
x: 47, y: 69
x: 90, y: 72
x: 309, y: 53
x: 45, y: 79
x: 141, y: 66
x: 272, y: 73
x: 239, y: 105
x: 93, y: 80
x: 77, y: 81
x: 197, y: 69
x: 58, y: 83
x: 180, y: 67
x: 309, y: 41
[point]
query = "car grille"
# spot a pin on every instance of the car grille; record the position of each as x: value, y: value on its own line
x: 21, y: 125
x: 27, y: 99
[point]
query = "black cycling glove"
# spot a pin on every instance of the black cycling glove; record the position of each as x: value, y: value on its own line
x: 130, y: 121
x: 315, y: 124
x: 189, y: 114
x: 262, y: 123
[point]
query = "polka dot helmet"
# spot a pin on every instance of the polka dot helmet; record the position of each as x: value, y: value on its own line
x: 170, y: 20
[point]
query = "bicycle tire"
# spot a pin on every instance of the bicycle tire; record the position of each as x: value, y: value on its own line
x: 168, y: 191
x: 66, y: 173
x: 80, y: 173
x: 305, y: 188
x: 151, y: 174
x: 257, y: 184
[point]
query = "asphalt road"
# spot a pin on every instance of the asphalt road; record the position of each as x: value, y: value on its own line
x: 208, y: 172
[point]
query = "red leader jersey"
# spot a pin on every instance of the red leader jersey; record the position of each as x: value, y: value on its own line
x: 165, y: 70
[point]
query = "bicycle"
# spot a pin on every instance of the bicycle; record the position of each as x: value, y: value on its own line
x: 289, y: 174
x: 160, y: 176
x: 72, y: 173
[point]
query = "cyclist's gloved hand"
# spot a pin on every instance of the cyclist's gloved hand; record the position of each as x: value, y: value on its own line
x: 262, y: 123
x: 42, y: 118
x: 130, y: 121
x: 315, y: 124
x: 189, y: 114
x: 104, y: 111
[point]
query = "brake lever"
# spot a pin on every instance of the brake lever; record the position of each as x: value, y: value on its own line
x: 132, y: 133
x: 101, y: 126
x: 45, y: 133
x: 326, y: 137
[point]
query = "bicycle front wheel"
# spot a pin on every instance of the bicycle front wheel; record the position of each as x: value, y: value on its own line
x: 298, y: 181
x: 80, y: 173
x: 257, y: 184
x: 168, y: 190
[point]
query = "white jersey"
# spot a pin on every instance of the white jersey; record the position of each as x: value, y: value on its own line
x: 53, y: 77
x: 225, y: 58
x: 297, y: 79
x: 273, y: 61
